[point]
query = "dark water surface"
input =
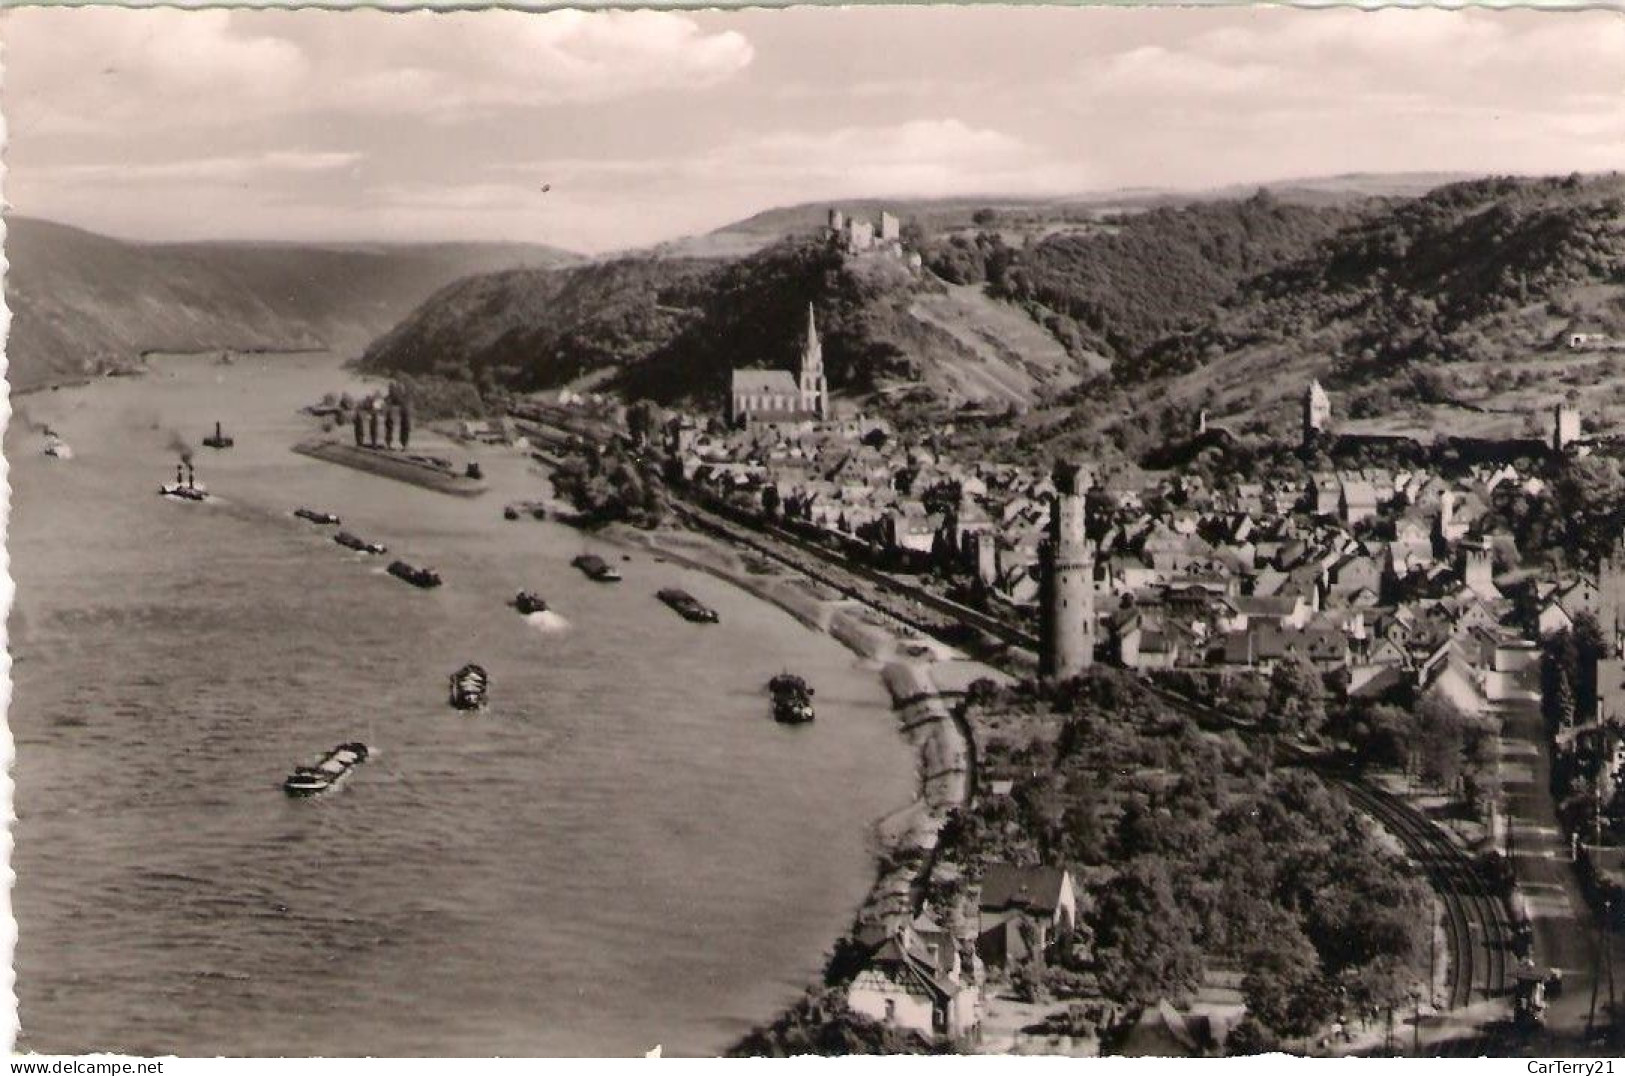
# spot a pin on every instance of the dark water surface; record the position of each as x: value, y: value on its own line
x: 623, y: 851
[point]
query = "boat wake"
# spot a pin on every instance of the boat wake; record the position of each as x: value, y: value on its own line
x: 547, y: 622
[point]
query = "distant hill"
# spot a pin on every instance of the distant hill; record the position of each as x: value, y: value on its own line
x: 83, y: 303
x: 1032, y: 215
x: 1441, y: 308
x: 1442, y: 313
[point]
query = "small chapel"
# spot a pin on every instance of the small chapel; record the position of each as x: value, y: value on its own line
x: 774, y: 398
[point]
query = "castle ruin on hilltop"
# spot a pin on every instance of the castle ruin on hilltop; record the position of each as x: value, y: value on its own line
x: 883, y: 236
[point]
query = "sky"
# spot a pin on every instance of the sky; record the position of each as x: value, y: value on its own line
x: 649, y: 125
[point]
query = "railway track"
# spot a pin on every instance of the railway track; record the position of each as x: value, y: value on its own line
x: 1478, y: 931
x: 1476, y: 927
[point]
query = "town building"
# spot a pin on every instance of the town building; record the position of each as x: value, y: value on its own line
x: 907, y: 983
x: 1022, y: 913
x: 775, y: 398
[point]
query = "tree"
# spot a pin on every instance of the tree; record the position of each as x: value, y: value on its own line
x: 1249, y: 698
x: 1249, y: 1038
x: 1144, y: 946
x: 1285, y: 990
x: 1297, y: 699
x: 1590, y: 492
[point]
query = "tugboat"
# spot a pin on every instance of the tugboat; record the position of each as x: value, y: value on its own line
x: 360, y: 545
x: 324, y: 519
x: 326, y: 774
x: 56, y: 447
x: 185, y: 487
x: 687, y: 605
x: 418, y: 577
x: 792, y: 699
x: 596, y: 568
x: 468, y: 687
x: 528, y: 603
x: 219, y: 440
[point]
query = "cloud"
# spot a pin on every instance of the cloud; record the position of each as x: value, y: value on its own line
x: 103, y: 69
x: 1352, y: 60
x: 440, y: 64
x: 71, y: 74
x: 202, y: 169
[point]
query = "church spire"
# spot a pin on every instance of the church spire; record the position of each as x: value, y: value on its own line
x: 812, y: 351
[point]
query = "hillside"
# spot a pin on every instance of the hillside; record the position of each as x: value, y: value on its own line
x: 533, y: 329
x: 1023, y: 218
x: 1120, y: 285
x: 1443, y: 313
x: 1460, y: 297
x: 83, y: 303
x: 1109, y: 327
x: 672, y: 329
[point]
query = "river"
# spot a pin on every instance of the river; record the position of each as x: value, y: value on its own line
x: 624, y: 851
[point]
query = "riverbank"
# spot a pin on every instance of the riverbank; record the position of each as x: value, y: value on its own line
x: 923, y: 676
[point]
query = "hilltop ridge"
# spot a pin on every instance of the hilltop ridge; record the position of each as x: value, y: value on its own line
x: 84, y: 303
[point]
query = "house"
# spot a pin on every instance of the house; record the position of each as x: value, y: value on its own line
x: 1147, y: 646
x: 1163, y: 1031
x: 1044, y: 898
x: 902, y: 984
x: 1357, y: 500
x: 1264, y: 644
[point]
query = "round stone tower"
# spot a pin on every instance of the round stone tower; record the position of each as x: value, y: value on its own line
x: 1067, y: 593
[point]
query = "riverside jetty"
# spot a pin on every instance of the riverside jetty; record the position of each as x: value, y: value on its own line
x: 426, y: 471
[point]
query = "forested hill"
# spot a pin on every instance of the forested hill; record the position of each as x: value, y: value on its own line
x: 1121, y: 283
x: 83, y: 303
x: 672, y: 329
x: 1229, y: 306
x: 1481, y: 270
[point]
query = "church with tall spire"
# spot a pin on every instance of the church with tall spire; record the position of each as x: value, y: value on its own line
x: 773, y: 397
x: 814, y: 389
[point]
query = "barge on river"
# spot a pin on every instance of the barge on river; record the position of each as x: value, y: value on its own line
x: 359, y: 544
x: 470, y: 686
x: 688, y: 606
x: 792, y: 699
x: 328, y: 773
x: 596, y: 568
x: 430, y: 472
x: 528, y: 602
x: 321, y: 519
x: 418, y: 577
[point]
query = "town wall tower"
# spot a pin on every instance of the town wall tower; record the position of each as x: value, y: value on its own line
x: 1067, y: 586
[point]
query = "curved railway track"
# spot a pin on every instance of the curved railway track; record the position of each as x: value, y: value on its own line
x: 1476, y: 923
x: 1478, y: 931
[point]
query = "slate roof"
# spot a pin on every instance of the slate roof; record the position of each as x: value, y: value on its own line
x: 765, y: 381
x: 1035, y: 888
